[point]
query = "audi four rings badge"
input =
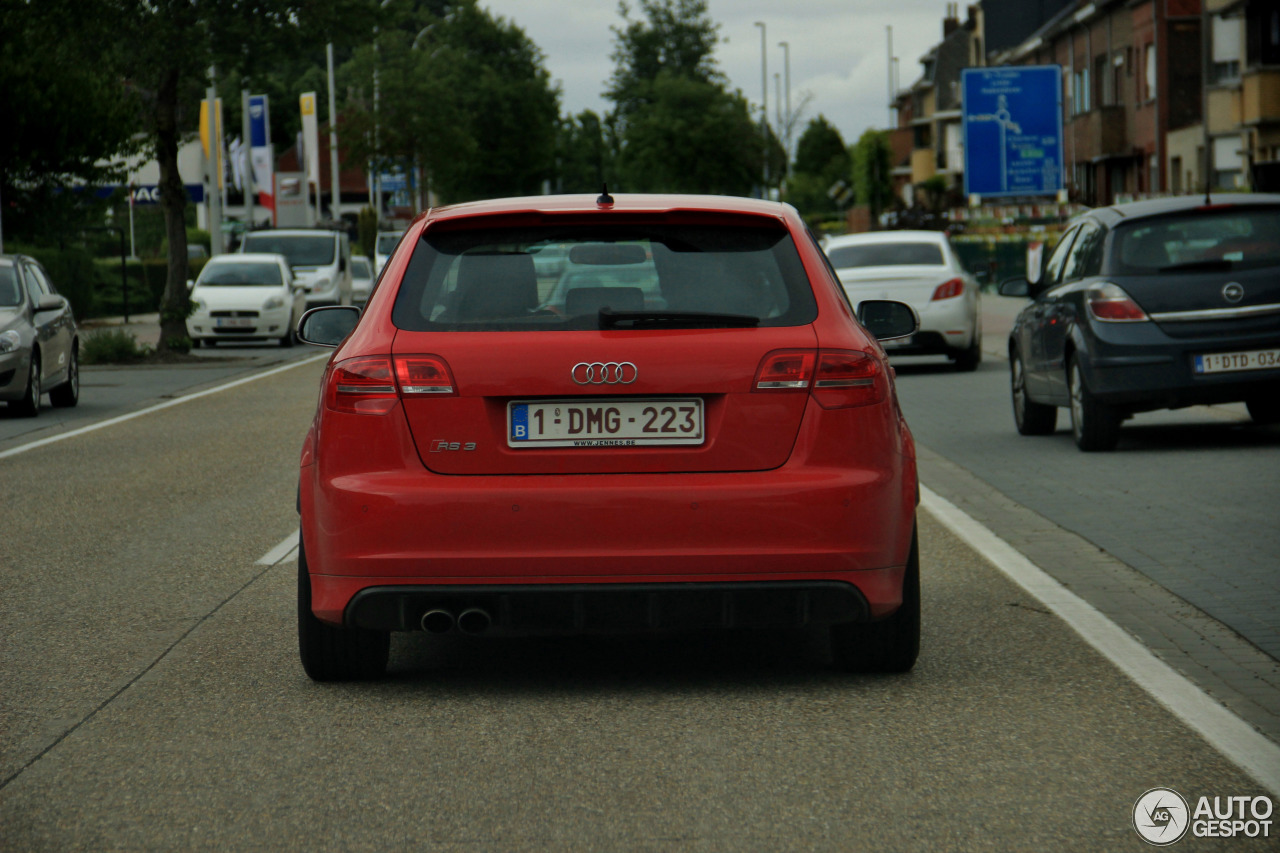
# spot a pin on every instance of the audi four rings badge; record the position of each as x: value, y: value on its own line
x: 604, y: 373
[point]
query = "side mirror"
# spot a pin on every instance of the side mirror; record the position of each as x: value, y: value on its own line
x: 887, y: 320
x: 50, y: 302
x: 328, y: 326
x: 191, y: 285
x: 1016, y: 286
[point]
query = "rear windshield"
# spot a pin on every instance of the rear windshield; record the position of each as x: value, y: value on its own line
x: 886, y: 255
x: 240, y: 275
x: 302, y: 250
x: 486, y: 280
x: 1232, y: 238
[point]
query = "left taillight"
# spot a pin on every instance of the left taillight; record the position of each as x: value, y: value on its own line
x: 371, y: 385
x: 1110, y: 304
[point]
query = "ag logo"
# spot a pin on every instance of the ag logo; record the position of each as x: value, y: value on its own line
x: 1161, y: 816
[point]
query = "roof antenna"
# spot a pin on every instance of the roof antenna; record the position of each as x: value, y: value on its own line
x: 605, y: 198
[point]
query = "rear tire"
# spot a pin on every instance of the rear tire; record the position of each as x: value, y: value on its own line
x: 29, y: 405
x: 1031, y: 418
x: 1264, y: 410
x: 1094, y: 425
x: 330, y: 653
x: 891, y: 644
x: 67, y: 394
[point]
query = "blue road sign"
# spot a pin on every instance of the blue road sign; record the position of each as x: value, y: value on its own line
x: 1013, y: 130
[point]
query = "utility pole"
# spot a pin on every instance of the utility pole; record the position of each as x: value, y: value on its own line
x: 215, y: 166
x: 335, y: 212
x: 786, y: 67
x: 764, y: 113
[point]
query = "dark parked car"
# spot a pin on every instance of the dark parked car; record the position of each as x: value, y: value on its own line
x: 39, y: 342
x: 1151, y: 305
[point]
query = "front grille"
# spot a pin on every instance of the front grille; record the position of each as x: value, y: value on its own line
x: 233, y: 313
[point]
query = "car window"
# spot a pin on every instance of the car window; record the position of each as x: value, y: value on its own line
x: 886, y: 255
x: 10, y: 288
x: 361, y: 268
x: 1085, y: 258
x: 302, y: 250
x: 1231, y: 237
x: 37, y: 282
x: 1058, y: 260
x: 240, y: 274
x: 485, y: 280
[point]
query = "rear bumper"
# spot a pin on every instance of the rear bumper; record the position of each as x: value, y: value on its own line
x: 1148, y: 375
x: 615, y: 608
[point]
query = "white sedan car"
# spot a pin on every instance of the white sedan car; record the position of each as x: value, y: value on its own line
x: 921, y: 269
x: 246, y: 297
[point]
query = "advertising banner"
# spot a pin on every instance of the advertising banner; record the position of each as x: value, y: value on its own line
x: 310, y: 138
x: 260, y: 152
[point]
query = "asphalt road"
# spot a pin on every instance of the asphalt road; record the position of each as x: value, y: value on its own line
x: 151, y: 698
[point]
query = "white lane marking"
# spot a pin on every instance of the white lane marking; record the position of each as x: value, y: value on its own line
x: 1239, y: 742
x: 187, y: 399
x: 282, y: 552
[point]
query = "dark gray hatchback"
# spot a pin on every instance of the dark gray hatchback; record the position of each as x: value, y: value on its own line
x: 1151, y: 305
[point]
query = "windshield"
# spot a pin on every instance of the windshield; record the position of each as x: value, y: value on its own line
x: 387, y: 242
x: 240, y: 274
x: 1224, y: 238
x: 886, y: 255
x: 10, y: 290
x: 486, y: 280
x: 302, y: 250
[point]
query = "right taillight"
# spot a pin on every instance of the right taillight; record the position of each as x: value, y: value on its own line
x: 837, y: 379
x: 1110, y: 304
x: 847, y: 378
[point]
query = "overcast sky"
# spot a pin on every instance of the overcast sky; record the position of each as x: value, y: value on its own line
x: 839, y: 50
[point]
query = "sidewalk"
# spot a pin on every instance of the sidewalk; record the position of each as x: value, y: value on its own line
x: 145, y: 328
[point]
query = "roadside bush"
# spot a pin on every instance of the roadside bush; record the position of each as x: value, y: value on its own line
x: 111, y: 346
x: 368, y: 226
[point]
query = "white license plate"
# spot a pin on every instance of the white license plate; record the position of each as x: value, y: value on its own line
x: 1228, y: 362
x: 604, y: 423
x: 234, y: 322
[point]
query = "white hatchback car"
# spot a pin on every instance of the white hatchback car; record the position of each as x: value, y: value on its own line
x: 921, y: 269
x: 246, y: 297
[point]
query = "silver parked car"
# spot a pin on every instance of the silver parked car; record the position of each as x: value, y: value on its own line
x: 39, y: 341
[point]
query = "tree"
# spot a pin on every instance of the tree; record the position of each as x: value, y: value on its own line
x: 584, y: 154
x: 872, y: 173
x: 165, y: 49
x: 464, y: 96
x: 822, y: 161
x: 821, y: 151
x: 678, y: 127
x: 64, y: 114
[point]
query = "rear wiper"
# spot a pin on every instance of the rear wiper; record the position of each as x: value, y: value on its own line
x: 610, y: 319
x: 1209, y: 265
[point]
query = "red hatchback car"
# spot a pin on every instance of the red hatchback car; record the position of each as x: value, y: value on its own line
x: 728, y: 453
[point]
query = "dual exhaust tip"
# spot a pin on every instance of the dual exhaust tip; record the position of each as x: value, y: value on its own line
x: 473, y: 620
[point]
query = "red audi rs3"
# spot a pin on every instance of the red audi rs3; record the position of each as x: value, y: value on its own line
x: 698, y: 434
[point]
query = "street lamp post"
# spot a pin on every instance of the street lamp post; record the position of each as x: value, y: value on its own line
x: 335, y: 212
x: 764, y: 113
x: 786, y: 67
